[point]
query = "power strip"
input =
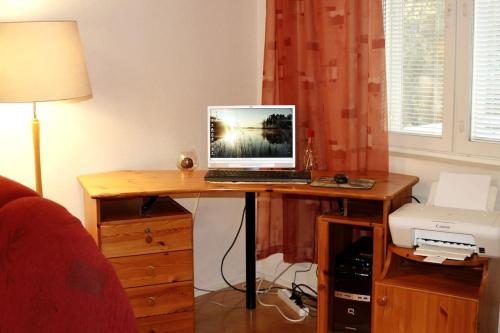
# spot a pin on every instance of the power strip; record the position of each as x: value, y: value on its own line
x: 284, y: 295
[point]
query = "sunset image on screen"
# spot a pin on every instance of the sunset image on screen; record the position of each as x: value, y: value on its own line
x: 251, y: 133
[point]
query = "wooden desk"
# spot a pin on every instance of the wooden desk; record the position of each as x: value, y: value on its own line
x: 390, y: 192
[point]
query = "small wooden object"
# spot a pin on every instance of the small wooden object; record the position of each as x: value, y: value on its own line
x: 187, y: 163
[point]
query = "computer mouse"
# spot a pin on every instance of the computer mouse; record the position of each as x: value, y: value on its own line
x: 340, y: 178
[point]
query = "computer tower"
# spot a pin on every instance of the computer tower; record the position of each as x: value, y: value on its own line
x: 352, y: 287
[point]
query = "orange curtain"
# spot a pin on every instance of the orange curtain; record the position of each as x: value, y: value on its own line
x: 327, y: 57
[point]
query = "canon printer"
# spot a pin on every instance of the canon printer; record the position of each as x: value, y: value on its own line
x: 415, y: 224
x: 466, y: 231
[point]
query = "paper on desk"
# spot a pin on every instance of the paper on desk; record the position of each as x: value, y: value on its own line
x: 466, y: 191
x: 452, y: 256
x: 435, y: 259
x: 444, y: 249
x: 452, y: 253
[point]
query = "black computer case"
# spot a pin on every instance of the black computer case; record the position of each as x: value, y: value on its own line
x: 352, y: 287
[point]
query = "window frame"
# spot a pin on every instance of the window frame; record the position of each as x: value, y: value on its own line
x: 457, y: 99
x: 463, y: 99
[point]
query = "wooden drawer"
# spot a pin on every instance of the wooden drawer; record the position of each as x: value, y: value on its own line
x: 161, y: 299
x: 144, y: 236
x: 181, y: 322
x: 149, y: 269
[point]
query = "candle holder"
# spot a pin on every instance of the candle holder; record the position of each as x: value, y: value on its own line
x: 188, y: 160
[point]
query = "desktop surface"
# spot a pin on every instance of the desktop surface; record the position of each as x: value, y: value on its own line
x: 129, y: 183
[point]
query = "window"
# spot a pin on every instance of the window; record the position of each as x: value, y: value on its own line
x: 443, y: 75
x: 486, y: 72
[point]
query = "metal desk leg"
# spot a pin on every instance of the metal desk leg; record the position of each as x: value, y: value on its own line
x: 250, y: 249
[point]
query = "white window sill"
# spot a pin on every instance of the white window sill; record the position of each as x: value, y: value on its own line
x: 444, y: 157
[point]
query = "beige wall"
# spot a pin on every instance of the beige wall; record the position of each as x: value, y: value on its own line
x: 154, y: 66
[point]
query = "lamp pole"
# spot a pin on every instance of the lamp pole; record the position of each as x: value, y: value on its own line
x: 35, y: 130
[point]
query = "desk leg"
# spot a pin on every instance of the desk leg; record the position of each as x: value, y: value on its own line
x: 250, y: 249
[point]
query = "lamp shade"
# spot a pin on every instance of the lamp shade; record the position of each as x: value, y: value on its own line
x: 41, y: 61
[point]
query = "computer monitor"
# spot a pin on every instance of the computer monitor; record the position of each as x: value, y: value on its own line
x: 251, y: 137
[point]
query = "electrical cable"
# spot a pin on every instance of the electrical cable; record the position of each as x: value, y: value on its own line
x: 276, y: 279
x: 278, y: 266
x: 279, y: 310
x: 265, y: 290
x: 415, y: 198
x: 194, y: 219
x: 297, y: 290
x: 207, y: 290
x: 229, y: 250
x: 298, y: 286
x: 211, y: 302
x: 196, y: 207
x: 301, y: 271
x: 298, y: 293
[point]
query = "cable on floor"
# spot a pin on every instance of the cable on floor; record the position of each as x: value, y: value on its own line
x: 207, y: 290
x: 300, y: 285
x: 271, y: 285
x: 210, y: 302
x: 292, y: 320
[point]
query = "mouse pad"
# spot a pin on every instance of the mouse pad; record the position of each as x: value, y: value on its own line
x: 357, y: 183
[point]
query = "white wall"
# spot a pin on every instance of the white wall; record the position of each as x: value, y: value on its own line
x: 154, y: 67
x: 428, y: 170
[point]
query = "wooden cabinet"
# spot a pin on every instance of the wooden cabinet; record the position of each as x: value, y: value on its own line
x: 400, y: 309
x: 337, y: 232
x: 414, y: 296
x: 151, y: 251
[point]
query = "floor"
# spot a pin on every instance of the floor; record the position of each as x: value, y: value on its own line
x: 225, y: 311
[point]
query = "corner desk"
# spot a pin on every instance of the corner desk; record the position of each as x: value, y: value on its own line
x: 114, y: 199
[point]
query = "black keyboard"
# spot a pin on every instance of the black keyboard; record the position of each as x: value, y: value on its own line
x: 258, y: 176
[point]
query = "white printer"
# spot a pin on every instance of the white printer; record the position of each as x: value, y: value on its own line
x: 432, y: 227
x: 415, y: 224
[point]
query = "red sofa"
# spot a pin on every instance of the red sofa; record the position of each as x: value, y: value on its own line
x: 53, y: 278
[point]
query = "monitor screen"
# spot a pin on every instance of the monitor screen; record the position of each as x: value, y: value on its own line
x: 261, y: 136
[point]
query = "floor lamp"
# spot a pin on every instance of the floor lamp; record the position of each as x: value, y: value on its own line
x: 41, y: 62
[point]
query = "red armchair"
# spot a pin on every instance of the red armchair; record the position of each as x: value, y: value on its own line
x: 53, y: 278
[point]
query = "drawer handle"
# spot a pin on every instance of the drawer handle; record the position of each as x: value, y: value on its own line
x: 151, y: 271
x: 151, y: 300
x: 147, y: 236
x: 382, y: 301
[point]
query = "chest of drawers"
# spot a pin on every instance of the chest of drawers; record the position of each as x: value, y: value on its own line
x: 151, y: 249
